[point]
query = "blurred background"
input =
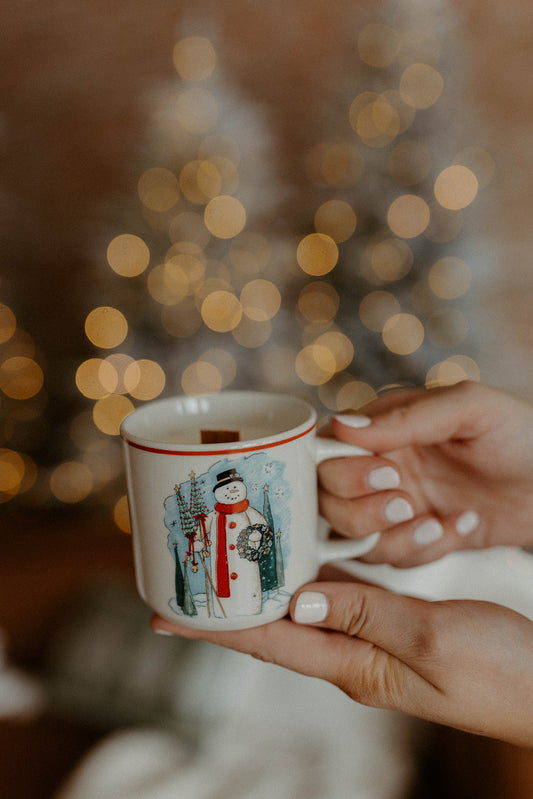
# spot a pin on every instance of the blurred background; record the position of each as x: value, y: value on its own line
x: 323, y: 199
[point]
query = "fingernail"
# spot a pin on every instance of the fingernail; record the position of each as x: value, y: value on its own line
x: 429, y: 531
x: 467, y: 522
x: 384, y: 477
x: 398, y: 510
x: 311, y: 607
x: 353, y: 419
x: 163, y: 632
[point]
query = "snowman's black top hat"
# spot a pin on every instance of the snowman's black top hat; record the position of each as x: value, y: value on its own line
x: 229, y: 476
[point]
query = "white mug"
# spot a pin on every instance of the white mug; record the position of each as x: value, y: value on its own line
x: 225, y: 532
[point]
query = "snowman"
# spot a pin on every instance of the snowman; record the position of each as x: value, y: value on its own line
x: 234, y: 530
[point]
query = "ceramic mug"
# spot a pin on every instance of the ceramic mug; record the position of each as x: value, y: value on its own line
x: 222, y: 492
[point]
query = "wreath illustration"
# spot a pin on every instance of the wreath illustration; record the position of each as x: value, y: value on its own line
x: 244, y: 547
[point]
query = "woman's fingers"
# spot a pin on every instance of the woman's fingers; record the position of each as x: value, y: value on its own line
x: 422, y: 417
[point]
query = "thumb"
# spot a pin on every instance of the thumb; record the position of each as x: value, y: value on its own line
x: 420, y: 416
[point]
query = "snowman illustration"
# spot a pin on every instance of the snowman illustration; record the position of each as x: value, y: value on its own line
x: 238, y: 535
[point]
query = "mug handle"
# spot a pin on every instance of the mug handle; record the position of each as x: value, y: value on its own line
x: 342, y: 549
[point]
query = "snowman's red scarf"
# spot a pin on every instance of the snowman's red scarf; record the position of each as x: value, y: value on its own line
x: 222, y: 552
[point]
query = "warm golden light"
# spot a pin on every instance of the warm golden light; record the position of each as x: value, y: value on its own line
x: 403, y: 333
x: 223, y: 361
x: 109, y: 412
x: 408, y: 216
x: 225, y: 216
x: 339, y: 345
x: 144, y: 379
x: 260, y: 300
x: 158, y: 189
x: 315, y: 365
x: 336, y: 219
x: 201, y: 377
x: 8, y: 323
x: 71, y: 482
x: 456, y: 187
x: 453, y: 370
x: 12, y: 469
x: 317, y: 254
x: 353, y: 395
x: 194, y: 58
x: 121, y: 514
x: 391, y: 259
x: 20, y: 377
x: 96, y: 378
x: 106, y: 327
x: 200, y: 181
x: 421, y: 85
x: 128, y: 255
x: 252, y: 334
x: 376, y: 308
x: 375, y: 120
x: 318, y: 302
x: 449, y: 278
x: 221, y: 311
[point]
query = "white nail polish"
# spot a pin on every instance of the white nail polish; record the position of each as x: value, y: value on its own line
x: 311, y: 607
x: 398, y: 510
x: 353, y: 420
x: 428, y: 532
x: 467, y: 522
x: 384, y: 477
x: 163, y: 632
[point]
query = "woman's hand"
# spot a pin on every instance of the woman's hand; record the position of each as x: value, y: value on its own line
x: 461, y: 663
x: 453, y: 469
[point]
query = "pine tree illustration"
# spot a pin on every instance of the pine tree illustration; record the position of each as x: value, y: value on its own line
x: 189, y: 608
x: 178, y: 580
x: 267, y: 564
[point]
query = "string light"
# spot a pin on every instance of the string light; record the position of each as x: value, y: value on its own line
x: 216, y: 292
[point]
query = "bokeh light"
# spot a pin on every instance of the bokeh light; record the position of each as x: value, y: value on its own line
x: 194, y: 58
x: 421, y: 85
x: 21, y: 377
x: 106, y: 327
x: 71, y: 482
x: 317, y: 254
x: 318, y: 301
x: 221, y: 311
x: 109, y: 412
x: 336, y: 219
x: 225, y: 216
x: 449, y: 278
x: 158, y: 189
x: 8, y: 323
x: 403, y: 333
x: 128, y: 255
x: 456, y: 187
x: 408, y: 216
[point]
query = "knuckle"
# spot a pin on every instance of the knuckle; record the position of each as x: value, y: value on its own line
x: 379, y: 681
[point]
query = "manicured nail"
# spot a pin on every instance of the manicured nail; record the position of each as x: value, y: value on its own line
x: 429, y: 531
x: 163, y: 632
x: 384, y: 477
x: 311, y: 607
x: 353, y: 419
x: 398, y: 510
x: 467, y: 522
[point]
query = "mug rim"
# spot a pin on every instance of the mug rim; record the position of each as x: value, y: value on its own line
x: 153, y: 445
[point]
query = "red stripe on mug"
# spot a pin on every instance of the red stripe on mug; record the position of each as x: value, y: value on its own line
x: 255, y: 447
